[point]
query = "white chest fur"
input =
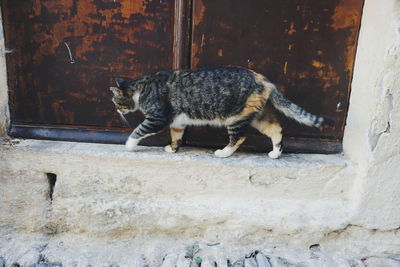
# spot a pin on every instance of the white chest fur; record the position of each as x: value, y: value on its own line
x: 183, y: 120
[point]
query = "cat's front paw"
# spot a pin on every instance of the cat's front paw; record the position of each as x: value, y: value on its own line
x: 131, y: 144
x: 222, y: 153
x: 169, y: 149
x: 274, y: 154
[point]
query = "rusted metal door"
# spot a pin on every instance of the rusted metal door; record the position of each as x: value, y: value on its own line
x: 306, y: 48
x: 66, y: 52
x: 65, y: 55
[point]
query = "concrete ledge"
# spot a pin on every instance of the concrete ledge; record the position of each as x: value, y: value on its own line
x: 185, y: 154
x: 104, y: 190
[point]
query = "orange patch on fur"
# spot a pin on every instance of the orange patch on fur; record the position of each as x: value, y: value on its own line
x: 178, y: 130
x: 272, y: 130
x: 255, y: 103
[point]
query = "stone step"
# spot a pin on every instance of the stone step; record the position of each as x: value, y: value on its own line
x: 99, y: 188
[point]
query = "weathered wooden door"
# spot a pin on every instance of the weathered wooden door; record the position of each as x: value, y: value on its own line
x: 67, y: 52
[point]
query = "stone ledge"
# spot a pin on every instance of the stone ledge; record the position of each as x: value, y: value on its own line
x: 239, y: 159
x: 100, y: 186
x: 293, y: 176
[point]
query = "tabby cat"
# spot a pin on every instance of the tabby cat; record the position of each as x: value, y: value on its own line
x: 237, y: 98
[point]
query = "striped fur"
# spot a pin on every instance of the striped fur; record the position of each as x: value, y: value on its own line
x: 235, y: 98
x: 290, y: 109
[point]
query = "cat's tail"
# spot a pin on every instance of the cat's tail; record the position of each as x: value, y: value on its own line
x: 295, y: 112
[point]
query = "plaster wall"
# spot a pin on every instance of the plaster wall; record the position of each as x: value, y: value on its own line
x: 372, y: 133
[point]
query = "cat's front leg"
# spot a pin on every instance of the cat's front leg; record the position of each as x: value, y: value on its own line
x: 131, y: 143
x: 150, y: 126
x: 176, y: 139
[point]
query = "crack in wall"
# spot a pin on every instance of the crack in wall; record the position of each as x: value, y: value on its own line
x: 382, y: 123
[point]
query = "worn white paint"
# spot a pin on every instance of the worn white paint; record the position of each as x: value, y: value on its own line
x: 4, y: 113
x: 372, y: 133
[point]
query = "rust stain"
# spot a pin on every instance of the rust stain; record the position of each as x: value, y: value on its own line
x: 317, y: 64
x: 303, y: 75
x: 132, y: 7
x: 285, y: 67
x: 36, y: 8
x: 346, y: 14
x: 195, y: 58
x: 199, y: 10
x: 292, y: 30
x: 56, y: 6
x: 77, y: 25
x: 328, y: 76
x: 220, y: 52
x: 149, y: 25
x: 102, y: 38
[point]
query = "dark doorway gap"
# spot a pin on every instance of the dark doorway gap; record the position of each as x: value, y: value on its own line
x: 51, y: 179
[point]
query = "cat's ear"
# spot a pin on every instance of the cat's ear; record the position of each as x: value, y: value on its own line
x: 116, y: 91
x: 119, y: 81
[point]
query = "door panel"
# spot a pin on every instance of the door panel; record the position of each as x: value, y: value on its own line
x: 65, y: 54
x: 306, y: 48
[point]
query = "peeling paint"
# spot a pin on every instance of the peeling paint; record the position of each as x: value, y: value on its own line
x: 98, y: 39
x: 292, y: 30
x: 318, y: 64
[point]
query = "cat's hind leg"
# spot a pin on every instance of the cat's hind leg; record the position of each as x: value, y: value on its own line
x: 236, y: 137
x: 176, y: 139
x: 274, y: 131
x: 230, y: 148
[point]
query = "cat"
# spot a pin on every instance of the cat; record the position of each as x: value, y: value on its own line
x: 234, y: 97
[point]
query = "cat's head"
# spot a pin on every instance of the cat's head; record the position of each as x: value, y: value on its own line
x: 123, y: 95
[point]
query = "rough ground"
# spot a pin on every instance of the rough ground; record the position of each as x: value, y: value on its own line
x: 212, y: 255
